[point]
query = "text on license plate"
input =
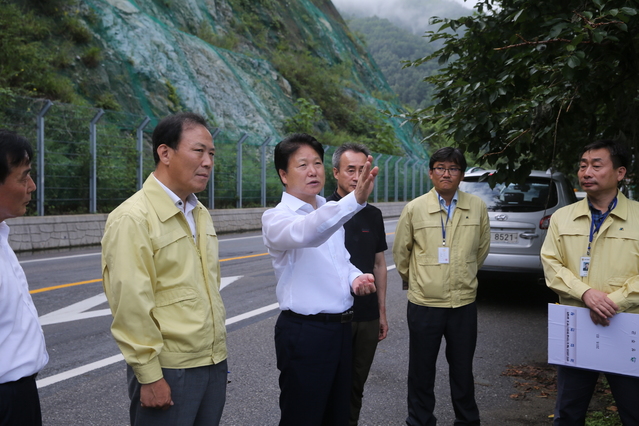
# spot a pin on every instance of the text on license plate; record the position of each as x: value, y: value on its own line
x: 504, y: 237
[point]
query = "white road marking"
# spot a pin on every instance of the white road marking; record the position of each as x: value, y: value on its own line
x: 78, y: 371
x: 252, y: 313
x: 117, y: 358
x: 76, y: 311
x: 22, y: 262
x: 80, y: 310
x: 73, y: 310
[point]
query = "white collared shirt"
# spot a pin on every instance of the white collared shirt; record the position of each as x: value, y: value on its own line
x: 187, y: 210
x: 453, y: 203
x: 310, y: 260
x: 22, y: 349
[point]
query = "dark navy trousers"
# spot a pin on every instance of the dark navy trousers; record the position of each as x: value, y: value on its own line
x: 314, y: 359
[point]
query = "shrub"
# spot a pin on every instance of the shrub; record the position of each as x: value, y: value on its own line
x: 75, y: 29
x: 92, y: 57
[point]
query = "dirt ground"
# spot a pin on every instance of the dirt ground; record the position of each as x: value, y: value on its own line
x: 535, y: 385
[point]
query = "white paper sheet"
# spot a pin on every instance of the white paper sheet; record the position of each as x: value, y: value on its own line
x: 574, y: 340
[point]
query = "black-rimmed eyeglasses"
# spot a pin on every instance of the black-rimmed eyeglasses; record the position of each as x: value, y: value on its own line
x: 439, y: 171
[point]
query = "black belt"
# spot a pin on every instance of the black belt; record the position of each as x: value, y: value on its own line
x: 343, y: 317
x: 24, y: 379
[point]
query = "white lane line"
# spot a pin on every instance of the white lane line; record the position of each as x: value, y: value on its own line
x: 78, y: 371
x: 252, y: 313
x: 46, y: 259
x: 117, y: 358
x: 78, y: 311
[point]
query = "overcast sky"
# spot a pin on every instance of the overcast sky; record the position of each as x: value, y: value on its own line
x: 385, y: 3
x: 412, y: 15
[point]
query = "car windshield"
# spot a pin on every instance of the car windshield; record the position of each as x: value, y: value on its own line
x: 535, y: 194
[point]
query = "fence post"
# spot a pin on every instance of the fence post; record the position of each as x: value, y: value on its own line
x: 40, y: 201
x: 376, y: 183
x: 406, y: 178
x: 239, y: 170
x: 414, y: 171
x: 139, y: 133
x: 93, y: 184
x: 386, y: 178
x: 421, y: 177
x: 214, y: 134
x: 263, y: 159
x: 397, y: 178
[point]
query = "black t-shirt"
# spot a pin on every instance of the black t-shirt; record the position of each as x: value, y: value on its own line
x: 364, y: 237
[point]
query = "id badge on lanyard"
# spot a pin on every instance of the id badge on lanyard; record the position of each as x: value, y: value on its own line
x: 444, y: 252
x: 584, y: 266
x: 444, y: 255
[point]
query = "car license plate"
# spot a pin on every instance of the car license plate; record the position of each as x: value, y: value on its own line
x: 504, y: 237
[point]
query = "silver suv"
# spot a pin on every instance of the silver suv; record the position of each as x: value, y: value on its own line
x: 519, y: 217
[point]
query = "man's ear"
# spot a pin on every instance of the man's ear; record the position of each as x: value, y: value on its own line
x: 164, y: 152
x: 621, y: 173
x: 282, y: 174
x: 336, y: 172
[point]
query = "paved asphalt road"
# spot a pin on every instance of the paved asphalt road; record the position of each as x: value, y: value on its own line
x: 84, y: 382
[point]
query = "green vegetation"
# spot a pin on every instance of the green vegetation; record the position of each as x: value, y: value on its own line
x: 205, y: 32
x: 49, y: 51
x: 601, y: 418
x: 306, y: 118
x: 38, y: 42
x: 75, y: 29
x: 390, y: 46
x: 527, y: 84
x: 606, y: 416
x: 314, y: 79
x: 25, y: 61
x: 323, y: 80
x: 92, y: 57
x: 173, y: 98
x: 107, y: 101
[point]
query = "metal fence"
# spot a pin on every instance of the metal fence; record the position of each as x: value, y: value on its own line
x: 88, y: 160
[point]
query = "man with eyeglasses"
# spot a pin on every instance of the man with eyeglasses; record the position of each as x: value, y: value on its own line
x: 442, y: 239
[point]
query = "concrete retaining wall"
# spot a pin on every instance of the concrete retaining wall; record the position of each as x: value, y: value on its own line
x: 51, y: 232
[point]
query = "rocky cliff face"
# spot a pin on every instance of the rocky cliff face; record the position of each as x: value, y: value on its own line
x: 215, y: 57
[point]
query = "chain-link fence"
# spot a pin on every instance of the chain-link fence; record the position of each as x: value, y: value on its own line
x: 88, y: 160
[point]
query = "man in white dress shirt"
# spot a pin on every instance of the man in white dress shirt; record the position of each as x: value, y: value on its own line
x: 315, y: 283
x: 22, y: 349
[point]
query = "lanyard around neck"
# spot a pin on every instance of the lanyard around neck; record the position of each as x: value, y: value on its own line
x: 442, y: 220
x: 595, y: 229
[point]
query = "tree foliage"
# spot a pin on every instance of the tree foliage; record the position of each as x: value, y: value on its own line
x: 527, y: 84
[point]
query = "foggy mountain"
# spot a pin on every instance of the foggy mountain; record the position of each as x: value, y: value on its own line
x: 412, y: 15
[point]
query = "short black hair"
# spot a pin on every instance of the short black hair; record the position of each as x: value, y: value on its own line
x: 169, y: 130
x: 288, y: 146
x: 454, y: 155
x: 618, y: 151
x: 15, y: 151
x: 355, y: 147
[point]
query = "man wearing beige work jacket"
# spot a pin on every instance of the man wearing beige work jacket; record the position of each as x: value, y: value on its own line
x: 590, y: 259
x: 442, y: 239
